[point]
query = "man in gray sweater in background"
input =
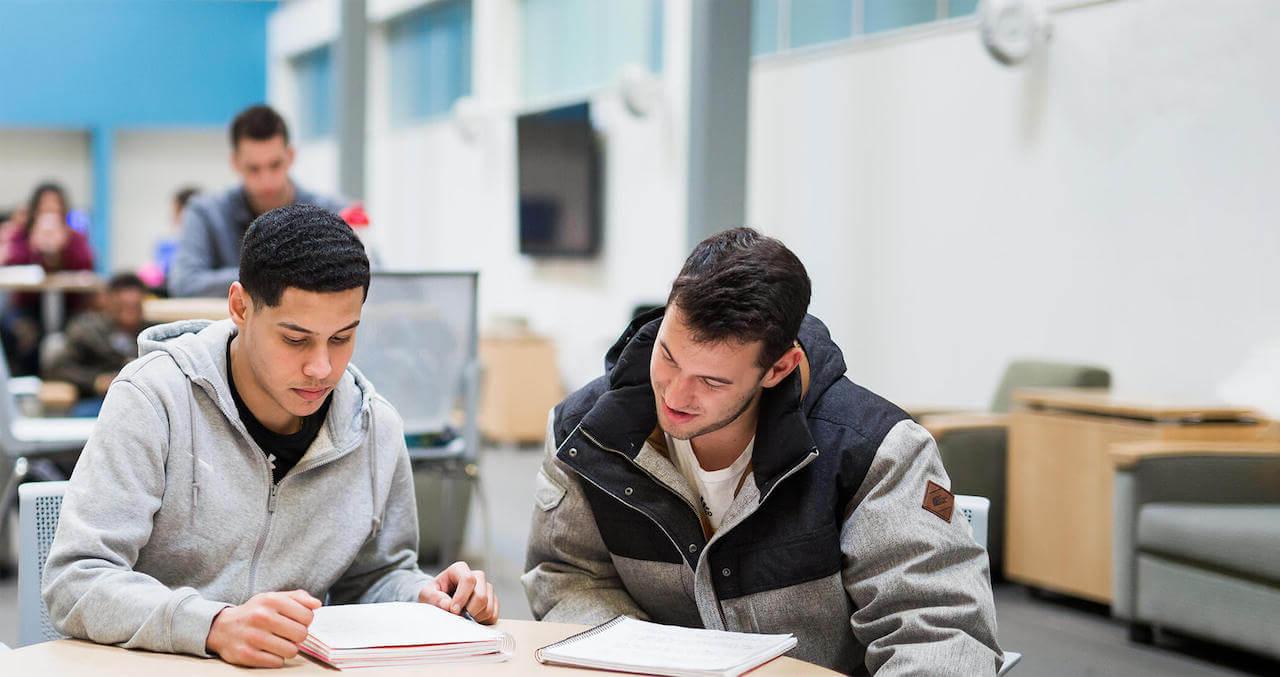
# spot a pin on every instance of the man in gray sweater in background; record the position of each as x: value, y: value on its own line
x: 214, y: 224
x: 241, y: 471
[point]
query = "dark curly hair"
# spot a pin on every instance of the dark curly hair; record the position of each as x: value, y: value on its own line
x: 301, y: 246
x: 742, y: 286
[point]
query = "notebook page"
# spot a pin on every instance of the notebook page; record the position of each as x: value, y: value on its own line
x: 639, y: 643
x: 352, y: 626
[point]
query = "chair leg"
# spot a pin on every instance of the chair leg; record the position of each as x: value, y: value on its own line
x: 1141, y: 633
x: 9, y: 503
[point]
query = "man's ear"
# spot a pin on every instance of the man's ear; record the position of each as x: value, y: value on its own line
x: 782, y: 367
x: 239, y: 304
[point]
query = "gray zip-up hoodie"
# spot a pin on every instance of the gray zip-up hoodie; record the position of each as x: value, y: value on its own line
x: 171, y: 514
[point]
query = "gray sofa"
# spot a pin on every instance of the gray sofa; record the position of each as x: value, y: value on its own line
x: 1196, y: 542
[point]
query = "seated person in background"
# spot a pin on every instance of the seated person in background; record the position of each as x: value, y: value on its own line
x: 214, y: 224
x: 241, y: 471
x: 724, y: 473
x: 11, y: 223
x: 49, y: 242
x: 155, y: 272
x: 98, y: 344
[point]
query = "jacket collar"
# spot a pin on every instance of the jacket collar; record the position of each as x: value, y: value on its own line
x: 626, y: 414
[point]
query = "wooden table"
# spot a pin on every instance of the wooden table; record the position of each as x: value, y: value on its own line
x: 52, y: 290
x: 77, y: 657
x: 1059, y: 493
x: 159, y: 311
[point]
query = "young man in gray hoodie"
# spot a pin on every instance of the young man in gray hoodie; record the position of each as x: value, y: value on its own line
x: 241, y: 471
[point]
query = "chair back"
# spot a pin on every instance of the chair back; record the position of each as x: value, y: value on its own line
x: 39, y: 504
x: 975, y: 509
x: 418, y: 343
x: 1040, y: 374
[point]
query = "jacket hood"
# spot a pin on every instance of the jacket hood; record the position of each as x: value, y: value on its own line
x: 626, y: 414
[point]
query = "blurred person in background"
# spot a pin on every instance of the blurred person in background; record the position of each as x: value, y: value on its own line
x: 156, y: 271
x: 100, y: 343
x: 47, y: 241
x: 10, y: 224
x: 213, y: 225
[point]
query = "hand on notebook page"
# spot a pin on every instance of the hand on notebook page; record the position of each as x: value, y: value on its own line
x: 263, y: 632
x: 458, y: 588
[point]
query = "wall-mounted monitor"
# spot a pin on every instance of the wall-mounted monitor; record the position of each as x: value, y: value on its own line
x: 559, y: 178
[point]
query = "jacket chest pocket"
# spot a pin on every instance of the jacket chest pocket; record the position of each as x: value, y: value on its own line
x: 768, y: 564
x: 628, y: 532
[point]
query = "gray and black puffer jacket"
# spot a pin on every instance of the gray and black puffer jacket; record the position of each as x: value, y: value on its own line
x: 829, y: 537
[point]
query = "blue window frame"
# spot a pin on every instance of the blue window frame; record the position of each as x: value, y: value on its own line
x: 573, y: 46
x: 313, y: 71
x: 429, y: 51
x: 779, y: 25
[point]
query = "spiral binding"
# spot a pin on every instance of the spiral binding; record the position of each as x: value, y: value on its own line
x: 585, y: 634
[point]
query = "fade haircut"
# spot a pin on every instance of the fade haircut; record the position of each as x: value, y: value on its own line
x: 259, y: 123
x: 741, y: 286
x: 301, y: 246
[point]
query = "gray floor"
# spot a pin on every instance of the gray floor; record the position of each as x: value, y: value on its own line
x: 1060, y: 638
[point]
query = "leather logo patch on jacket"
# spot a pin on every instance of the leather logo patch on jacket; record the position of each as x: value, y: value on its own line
x: 939, y: 501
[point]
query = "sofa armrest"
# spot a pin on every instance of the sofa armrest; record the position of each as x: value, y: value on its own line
x: 919, y: 412
x: 943, y: 424
x: 1182, y: 471
x: 1127, y: 455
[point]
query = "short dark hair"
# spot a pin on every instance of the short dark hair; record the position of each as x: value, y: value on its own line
x: 260, y: 123
x: 183, y: 196
x: 123, y: 281
x: 301, y: 246
x: 742, y: 286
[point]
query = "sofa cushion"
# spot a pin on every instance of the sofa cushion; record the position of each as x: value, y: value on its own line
x: 1242, y: 540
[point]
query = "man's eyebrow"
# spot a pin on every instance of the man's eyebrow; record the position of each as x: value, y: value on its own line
x: 293, y: 327
x: 717, y: 379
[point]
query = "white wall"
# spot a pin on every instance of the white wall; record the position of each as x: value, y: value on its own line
x: 31, y: 156
x: 146, y: 174
x: 439, y: 201
x: 1114, y: 203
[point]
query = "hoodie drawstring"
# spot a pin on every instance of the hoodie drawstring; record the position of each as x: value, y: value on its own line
x: 376, y: 524
x: 195, y: 464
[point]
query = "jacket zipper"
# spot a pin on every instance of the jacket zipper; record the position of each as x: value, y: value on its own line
x: 813, y: 453
x: 646, y: 472
x: 675, y: 545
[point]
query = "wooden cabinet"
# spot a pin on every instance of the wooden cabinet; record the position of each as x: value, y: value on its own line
x: 1059, y: 492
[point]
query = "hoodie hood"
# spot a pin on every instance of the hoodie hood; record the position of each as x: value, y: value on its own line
x: 199, y: 348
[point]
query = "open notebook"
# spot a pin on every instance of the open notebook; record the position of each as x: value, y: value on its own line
x: 400, y: 633
x: 628, y: 645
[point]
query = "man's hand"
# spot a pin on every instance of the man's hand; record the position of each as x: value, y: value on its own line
x: 458, y: 588
x: 263, y: 632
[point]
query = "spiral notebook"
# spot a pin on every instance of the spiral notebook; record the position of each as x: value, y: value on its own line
x: 628, y: 645
x: 400, y: 634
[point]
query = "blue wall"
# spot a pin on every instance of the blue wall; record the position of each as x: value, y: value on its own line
x: 106, y: 64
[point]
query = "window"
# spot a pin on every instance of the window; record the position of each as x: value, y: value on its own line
x: 573, y: 46
x: 779, y: 25
x: 429, y: 51
x: 313, y: 72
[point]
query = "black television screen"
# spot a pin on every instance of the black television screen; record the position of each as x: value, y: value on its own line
x: 559, y: 178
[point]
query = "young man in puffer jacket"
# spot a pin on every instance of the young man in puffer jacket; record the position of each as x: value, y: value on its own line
x: 724, y: 473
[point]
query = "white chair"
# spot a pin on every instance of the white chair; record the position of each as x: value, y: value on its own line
x: 975, y: 509
x: 23, y: 438
x: 418, y: 346
x: 39, y: 504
